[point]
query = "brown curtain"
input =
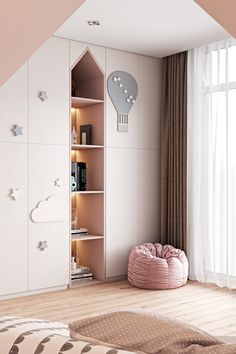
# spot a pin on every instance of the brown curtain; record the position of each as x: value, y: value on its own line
x: 174, y: 151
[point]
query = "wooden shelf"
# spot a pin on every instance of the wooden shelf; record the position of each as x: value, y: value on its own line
x: 77, y: 237
x: 85, y: 282
x: 87, y: 192
x: 79, y: 102
x: 85, y: 147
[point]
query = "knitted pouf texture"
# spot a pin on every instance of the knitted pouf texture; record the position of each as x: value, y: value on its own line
x: 153, y: 266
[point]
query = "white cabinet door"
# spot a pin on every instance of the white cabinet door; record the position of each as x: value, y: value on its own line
x: 14, y: 106
x: 48, y: 176
x: 121, y: 209
x: 148, y: 195
x: 149, y: 102
x: 13, y: 218
x: 49, y: 73
x: 117, y: 60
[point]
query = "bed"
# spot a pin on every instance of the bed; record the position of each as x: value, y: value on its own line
x: 120, y: 332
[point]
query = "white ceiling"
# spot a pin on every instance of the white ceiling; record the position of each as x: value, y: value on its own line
x: 151, y: 27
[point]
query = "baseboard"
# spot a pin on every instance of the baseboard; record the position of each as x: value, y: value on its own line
x: 33, y: 292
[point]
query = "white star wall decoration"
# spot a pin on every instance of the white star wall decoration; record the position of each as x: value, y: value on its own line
x: 57, y: 182
x: 17, y: 130
x: 15, y: 193
x: 43, y: 245
x: 43, y: 95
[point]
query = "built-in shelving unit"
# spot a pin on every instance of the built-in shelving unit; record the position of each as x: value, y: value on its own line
x: 87, y: 108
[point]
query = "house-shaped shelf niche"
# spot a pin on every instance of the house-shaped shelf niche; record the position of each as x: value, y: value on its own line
x: 87, y: 79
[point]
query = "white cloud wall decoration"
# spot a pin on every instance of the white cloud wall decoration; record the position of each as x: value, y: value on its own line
x: 48, y: 210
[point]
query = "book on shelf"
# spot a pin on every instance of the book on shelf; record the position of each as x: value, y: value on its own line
x: 80, y: 269
x: 82, y: 176
x: 73, y: 281
x: 79, y: 231
x: 79, y: 172
x: 81, y: 275
x: 74, y: 177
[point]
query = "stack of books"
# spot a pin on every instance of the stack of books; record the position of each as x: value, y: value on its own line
x: 80, y: 274
x: 78, y: 232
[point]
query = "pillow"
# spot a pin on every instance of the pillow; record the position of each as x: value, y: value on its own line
x: 146, y: 333
x: 34, y: 336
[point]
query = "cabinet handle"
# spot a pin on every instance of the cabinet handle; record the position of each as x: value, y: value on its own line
x: 43, y: 245
x: 42, y: 95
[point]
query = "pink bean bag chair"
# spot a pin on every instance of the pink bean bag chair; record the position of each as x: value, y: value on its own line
x: 153, y: 266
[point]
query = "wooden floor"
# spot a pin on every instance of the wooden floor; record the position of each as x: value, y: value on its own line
x: 210, y: 308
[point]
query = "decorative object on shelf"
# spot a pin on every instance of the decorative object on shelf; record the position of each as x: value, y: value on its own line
x: 57, y: 182
x: 74, y: 218
x: 73, y: 263
x: 43, y: 245
x: 14, y: 193
x: 77, y: 260
x: 17, y: 130
x: 73, y: 184
x: 48, y: 210
x: 123, y: 89
x: 73, y: 135
x: 42, y: 95
x: 86, y: 134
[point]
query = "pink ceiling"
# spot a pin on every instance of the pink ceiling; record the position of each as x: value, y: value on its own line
x: 25, y: 25
x: 223, y: 11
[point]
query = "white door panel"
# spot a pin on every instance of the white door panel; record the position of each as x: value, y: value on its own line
x: 50, y: 267
x: 149, y: 104
x: 13, y: 218
x: 148, y: 196
x: 49, y: 72
x: 14, y: 106
x: 121, y: 209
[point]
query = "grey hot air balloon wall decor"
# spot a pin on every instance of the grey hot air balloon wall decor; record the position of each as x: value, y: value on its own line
x: 123, y: 89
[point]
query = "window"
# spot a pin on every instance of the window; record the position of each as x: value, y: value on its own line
x: 212, y: 122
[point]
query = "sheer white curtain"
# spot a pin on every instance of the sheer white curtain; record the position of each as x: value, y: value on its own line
x: 212, y: 163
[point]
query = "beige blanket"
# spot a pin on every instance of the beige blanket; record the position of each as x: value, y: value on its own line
x: 144, y: 333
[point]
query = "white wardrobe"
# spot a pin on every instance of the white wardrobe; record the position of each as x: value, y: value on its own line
x: 35, y: 166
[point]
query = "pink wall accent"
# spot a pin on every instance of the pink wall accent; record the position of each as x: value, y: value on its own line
x: 223, y: 11
x: 25, y: 25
